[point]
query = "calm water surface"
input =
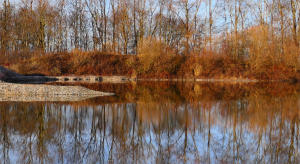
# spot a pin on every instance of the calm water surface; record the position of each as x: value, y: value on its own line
x: 157, y: 123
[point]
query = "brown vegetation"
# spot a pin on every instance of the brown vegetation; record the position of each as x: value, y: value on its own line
x: 151, y: 39
x: 154, y: 64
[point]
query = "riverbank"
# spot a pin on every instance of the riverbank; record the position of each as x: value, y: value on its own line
x: 204, y: 67
x: 13, y: 77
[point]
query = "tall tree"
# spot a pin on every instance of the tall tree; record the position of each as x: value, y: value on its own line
x: 78, y: 25
x: 294, y: 20
x: 6, y: 22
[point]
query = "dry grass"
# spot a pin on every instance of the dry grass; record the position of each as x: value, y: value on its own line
x: 259, y: 59
x: 75, y: 62
x: 156, y: 59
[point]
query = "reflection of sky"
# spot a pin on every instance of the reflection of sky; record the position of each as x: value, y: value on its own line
x: 82, y: 147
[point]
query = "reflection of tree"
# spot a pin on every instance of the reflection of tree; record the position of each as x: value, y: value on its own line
x: 204, y: 126
x: 5, y: 138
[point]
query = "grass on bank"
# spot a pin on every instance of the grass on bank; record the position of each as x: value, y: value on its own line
x: 260, y: 60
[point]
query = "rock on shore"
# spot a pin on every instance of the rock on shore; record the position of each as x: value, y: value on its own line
x: 5, y: 73
x: 10, y: 76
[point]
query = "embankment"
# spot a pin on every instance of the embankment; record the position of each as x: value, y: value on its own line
x: 159, y: 66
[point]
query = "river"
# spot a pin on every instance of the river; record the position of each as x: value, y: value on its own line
x: 158, y: 122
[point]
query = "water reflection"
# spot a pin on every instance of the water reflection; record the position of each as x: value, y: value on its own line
x: 160, y: 123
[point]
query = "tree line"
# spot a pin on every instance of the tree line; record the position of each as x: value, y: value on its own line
x: 123, y: 26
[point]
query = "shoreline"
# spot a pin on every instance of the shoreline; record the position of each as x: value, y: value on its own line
x: 126, y: 79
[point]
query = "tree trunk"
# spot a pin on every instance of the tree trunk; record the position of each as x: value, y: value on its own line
x: 293, y: 8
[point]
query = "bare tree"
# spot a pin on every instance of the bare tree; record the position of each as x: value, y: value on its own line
x: 78, y: 24
x: 6, y: 20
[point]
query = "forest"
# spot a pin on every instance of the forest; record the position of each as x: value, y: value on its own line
x: 256, y: 39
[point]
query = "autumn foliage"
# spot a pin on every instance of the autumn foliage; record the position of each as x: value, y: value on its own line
x: 156, y: 60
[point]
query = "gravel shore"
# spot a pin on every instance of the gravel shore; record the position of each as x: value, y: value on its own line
x: 46, y: 90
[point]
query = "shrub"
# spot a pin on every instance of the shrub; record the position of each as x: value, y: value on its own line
x: 157, y: 59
